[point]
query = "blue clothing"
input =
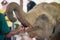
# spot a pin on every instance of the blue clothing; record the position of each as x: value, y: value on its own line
x: 30, y: 5
x: 4, y: 29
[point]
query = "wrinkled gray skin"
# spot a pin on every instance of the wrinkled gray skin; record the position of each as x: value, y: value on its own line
x: 42, y: 19
x: 56, y: 30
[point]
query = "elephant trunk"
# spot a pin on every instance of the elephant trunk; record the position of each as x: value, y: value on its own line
x: 19, y: 13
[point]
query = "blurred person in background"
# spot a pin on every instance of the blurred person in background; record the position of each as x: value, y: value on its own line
x: 4, y: 4
x: 30, y: 5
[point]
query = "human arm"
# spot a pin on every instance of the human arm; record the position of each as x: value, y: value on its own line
x: 13, y: 32
x: 5, y: 30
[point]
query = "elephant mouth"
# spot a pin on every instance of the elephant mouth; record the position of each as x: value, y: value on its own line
x: 25, y: 25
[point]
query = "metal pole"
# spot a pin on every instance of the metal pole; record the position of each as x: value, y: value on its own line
x: 12, y: 28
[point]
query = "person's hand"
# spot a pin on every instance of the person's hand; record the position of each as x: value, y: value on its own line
x: 20, y: 28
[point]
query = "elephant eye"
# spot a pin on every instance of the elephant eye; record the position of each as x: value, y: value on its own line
x: 43, y: 17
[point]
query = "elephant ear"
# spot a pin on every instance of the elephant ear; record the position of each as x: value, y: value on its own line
x: 44, y: 24
x: 9, y: 11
